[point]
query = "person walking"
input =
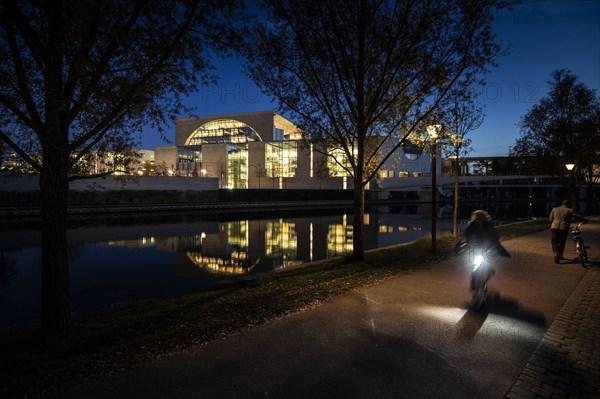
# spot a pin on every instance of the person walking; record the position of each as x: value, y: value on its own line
x: 560, y: 222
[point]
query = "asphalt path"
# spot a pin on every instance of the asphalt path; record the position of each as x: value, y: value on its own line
x: 412, y: 336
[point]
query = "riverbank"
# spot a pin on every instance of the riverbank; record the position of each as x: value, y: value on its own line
x: 107, y: 343
x: 91, y: 210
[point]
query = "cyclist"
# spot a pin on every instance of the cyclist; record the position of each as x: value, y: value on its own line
x: 481, y: 238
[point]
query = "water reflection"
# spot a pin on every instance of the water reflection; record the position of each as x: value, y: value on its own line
x: 112, y: 263
x: 246, y: 246
x: 241, y: 247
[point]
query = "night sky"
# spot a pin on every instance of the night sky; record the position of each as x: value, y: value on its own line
x: 541, y: 36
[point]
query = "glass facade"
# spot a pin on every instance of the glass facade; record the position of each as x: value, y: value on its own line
x: 223, y: 131
x: 337, y: 162
x: 189, y: 154
x: 189, y: 160
x: 237, y: 166
x: 281, y: 159
x: 412, y: 151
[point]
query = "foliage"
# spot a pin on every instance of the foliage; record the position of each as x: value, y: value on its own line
x: 564, y: 125
x: 363, y: 76
x: 83, y: 76
x: 459, y: 115
x: 118, y: 65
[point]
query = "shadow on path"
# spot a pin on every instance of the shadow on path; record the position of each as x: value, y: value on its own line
x: 473, y: 320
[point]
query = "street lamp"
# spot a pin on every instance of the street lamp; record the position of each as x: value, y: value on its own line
x: 433, y: 131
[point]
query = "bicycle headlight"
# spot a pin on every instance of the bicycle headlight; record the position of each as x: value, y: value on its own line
x: 477, y: 262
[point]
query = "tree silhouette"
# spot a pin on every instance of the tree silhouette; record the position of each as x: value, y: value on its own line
x: 459, y: 115
x: 82, y: 76
x: 362, y: 76
x: 566, y: 125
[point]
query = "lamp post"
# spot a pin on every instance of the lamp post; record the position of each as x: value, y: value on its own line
x: 572, y: 186
x: 433, y: 131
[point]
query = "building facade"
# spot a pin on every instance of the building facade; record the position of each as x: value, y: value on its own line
x: 264, y: 150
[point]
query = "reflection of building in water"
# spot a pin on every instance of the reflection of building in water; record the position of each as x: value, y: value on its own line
x: 225, y: 252
x: 238, y: 263
x: 242, y: 247
x: 134, y: 243
x: 339, y: 239
x: 281, y: 243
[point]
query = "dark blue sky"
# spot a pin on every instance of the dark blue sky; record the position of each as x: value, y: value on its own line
x: 542, y: 36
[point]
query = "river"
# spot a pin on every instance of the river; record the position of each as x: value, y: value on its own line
x: 119, y: 260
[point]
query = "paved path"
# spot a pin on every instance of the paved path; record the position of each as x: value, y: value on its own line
x: 566, y: 363
x: 412, y: 336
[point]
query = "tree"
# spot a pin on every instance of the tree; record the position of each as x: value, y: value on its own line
x: 82, y: 76
x: 563, y: 124
x: 2, y: 154
x: 459, y: 115
x: 362, y: 76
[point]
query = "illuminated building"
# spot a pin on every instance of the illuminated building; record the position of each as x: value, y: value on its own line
x: 262, y: 150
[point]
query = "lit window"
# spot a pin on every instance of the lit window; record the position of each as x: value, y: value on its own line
x: 223, y: 131
x: 338, y: 163
x: 237, y: 167
x: 412, y: 151
x: 281, y: 159
x: 386, y: 173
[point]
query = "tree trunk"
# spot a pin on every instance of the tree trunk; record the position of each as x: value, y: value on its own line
x: 573, y: 190
x: 590, y: 191
x: 55, y: 270
x: 54, y: 187
x: 455, y: 217
x: 358, y: 232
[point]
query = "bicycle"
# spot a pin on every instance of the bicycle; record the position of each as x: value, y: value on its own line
x: 580, y: 246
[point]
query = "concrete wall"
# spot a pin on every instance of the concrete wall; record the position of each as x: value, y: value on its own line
x: 165, y: 158
x: 257, y: 175
x: 214, y: 161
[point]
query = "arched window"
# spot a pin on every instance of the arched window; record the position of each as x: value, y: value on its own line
x: 412, y: 151
x: 223, y: 131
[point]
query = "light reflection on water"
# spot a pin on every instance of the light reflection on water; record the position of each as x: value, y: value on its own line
x: 112, y: 265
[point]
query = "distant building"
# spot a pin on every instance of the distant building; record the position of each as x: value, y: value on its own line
x: 255, y: 150
x: 264, y: 150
